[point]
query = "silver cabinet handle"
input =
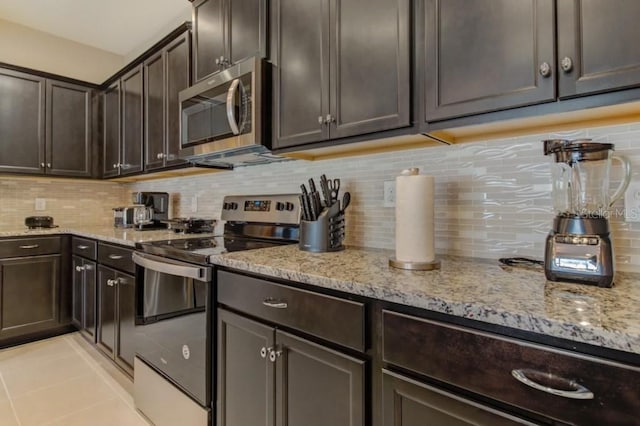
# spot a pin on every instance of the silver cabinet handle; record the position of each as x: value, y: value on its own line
x: 115, y: 256
x: 30, y: 246
x: 42, y: 165
x: 80, y: 268
x: 566, y: 64
x: 578, y: 391
x: 320, y: 120
x: 115, y: 166
x: 111, y: 283
x: 160, y: 156
x: 274, y: 355
x: 263, y: 352
x: 330, y: 119
x: 49, y: 165
x: 545, y: 69
x: 82, y: 247
x: 273, y: 303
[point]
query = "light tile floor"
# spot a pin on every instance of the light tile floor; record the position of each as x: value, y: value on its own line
x: 63, y: 381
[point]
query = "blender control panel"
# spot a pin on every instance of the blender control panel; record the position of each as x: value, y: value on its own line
x: 583, y: 240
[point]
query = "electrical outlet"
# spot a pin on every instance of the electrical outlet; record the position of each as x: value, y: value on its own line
x: 194, y: 204
x: 389, y: 193
x: 632, y: 203
x: 41, y: 204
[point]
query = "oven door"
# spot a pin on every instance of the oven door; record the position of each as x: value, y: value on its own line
x: 172, y: 322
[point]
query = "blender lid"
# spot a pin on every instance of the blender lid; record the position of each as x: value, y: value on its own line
x: 577, y: 150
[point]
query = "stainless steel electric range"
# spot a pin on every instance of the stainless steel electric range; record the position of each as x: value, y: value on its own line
x: 175, y: 315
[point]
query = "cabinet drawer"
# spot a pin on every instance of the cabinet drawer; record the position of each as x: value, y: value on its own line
x: 116, y: 257
x: 84, y: 247
x: 29, y: 246
x: 484, y: 363
x: 337, y: 320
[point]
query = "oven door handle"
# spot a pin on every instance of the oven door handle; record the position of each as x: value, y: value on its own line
x: 172, y: 267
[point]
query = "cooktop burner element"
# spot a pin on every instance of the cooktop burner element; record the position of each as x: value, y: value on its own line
x: 252, y: 221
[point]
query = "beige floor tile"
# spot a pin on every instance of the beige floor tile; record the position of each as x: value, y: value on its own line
x: 7, y: 417
x: 55, y: 347
x: 109, y: 413
x: 3, y: 392
x: 35, y: 408
x: 32, y: 375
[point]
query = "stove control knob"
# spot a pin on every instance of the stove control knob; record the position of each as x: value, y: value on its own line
x: 280, y: 206
x: 225, y: 206
x: 290, y: 207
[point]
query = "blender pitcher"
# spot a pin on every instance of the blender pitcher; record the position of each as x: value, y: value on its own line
x: 580, y: 177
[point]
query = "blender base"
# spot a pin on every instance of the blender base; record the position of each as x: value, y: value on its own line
x: 575, y: 256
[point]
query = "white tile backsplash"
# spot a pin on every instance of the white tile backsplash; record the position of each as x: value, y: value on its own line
x: 492, y: 197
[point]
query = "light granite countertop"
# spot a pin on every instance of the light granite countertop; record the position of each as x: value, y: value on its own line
x: 127, y: 237
x: 475, y: 289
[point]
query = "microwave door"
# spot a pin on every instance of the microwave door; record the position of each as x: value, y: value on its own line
x: 204, y: 118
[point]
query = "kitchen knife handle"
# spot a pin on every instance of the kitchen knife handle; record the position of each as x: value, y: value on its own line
x: 274, y: 303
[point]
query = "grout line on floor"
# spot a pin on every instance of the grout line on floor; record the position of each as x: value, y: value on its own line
x: 88, y: 407
x: 13, y: 409
x: 103, y: 375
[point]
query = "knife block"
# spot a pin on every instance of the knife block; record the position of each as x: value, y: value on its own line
x: 325, y: 234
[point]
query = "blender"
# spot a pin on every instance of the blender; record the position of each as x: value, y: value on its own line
x: 578, y: 248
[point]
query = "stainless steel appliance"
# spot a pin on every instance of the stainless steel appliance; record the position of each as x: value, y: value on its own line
x: 174, y: 313
x: 191, y: 225
x: 34, y: 222
x: 579, y: 248
x: 224, y: 120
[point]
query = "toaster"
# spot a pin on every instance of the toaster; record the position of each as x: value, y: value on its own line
x: 39, y: 222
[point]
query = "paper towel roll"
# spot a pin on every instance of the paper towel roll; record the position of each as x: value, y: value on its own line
x: 414, y: 217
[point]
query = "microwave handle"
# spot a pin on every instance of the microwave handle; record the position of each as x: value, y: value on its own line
x: 231, y: 93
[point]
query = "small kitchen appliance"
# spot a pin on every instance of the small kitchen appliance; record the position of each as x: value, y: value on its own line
x: 190, y: 225
x: 151, y: 210
x: 578, y: 248
x: 34, y: 222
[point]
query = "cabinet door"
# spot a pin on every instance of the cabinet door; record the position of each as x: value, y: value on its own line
x: 247, y: 29
x: 178, y: 61
x: 68, y: 149
x: 22, y: 115
x: 29, y: 294
x: 310, y: 378
x: 77, y: 297
x: 300, y: 46
x: 245, y: 375
x: 598, y: 45
x: 370, y: 66
x: 125, y: 346
x: 132, y: 121
x: 89, y: 302
x: 154, y: 118
x: 410, y: 403
x: 208, y: 37
x: 107, y: 320
x: 111, y: 120
x: 485, y: 55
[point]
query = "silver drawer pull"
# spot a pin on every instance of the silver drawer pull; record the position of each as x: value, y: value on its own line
x: 31, y: 246
x: 80, y: 268
x: 83, y: 247
x: 274, y: 303
x: 577, y: 391
x: 115, y: 256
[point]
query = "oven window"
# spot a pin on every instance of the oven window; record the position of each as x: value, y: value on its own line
x: 164, y: 296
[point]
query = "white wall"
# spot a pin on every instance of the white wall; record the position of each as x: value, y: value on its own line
x: 26, y: 47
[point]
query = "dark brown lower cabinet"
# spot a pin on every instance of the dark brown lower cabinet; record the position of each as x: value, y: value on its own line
x: 84, y: 296
x: 270, y: 377
x: 407, y: 402
x: 29, y: 294
x: 116, y: 316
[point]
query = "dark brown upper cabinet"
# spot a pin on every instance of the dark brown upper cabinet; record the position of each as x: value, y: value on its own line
x: 166, y: 73
x: 22, y: 115
x: 598, y: 46
x: 487, y: 55
x: 123, y: 124
x: 226, y: 32
x: 45, y: 126
x: 341, y: 68
x: 68, y: 137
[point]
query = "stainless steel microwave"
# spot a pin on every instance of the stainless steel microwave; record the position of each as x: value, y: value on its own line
x: 223, y: 120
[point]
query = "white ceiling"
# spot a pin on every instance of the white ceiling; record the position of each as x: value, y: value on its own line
x: 117, y: 26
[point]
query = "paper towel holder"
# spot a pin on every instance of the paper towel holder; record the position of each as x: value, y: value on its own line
x: 414, y: 266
